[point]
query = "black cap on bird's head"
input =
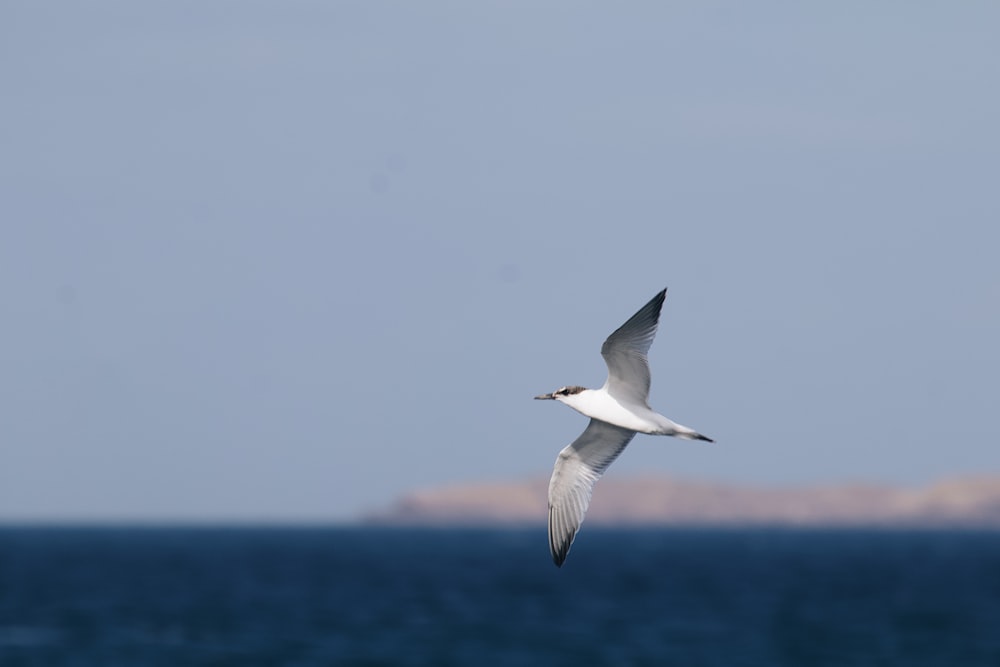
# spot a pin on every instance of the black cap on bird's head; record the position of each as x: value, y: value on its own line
x: 562, y: 391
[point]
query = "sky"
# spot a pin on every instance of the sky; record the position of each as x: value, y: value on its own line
x: 290, y: 260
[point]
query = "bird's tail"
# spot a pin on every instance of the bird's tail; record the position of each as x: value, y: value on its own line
x: 690, y: 434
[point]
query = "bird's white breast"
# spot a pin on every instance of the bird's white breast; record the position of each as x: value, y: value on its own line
x: 598, y: 404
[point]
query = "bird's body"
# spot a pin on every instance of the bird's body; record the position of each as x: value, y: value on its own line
x: 599, y: 404
x: 617, y: 411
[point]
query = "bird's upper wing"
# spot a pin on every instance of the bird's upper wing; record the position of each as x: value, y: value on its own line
x: 625, y: 353
x: 578, y: 466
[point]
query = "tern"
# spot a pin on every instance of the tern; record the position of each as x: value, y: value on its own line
x: 617, y: 411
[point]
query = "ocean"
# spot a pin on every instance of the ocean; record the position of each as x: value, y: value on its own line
x: 140, y: 597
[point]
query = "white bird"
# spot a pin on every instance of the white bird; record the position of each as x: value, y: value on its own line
x: 617, y: 411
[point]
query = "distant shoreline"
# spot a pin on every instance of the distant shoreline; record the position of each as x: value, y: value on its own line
x: 972, y: 503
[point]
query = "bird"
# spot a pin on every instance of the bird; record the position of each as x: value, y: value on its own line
x: 617, y: 411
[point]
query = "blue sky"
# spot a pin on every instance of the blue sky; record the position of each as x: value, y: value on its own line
x: 289, y: 260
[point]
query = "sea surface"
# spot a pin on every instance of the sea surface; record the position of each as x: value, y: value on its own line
x: 367, y: 596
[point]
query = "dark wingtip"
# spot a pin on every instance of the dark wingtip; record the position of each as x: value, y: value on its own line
x: 559, y: 553
x: 660, y: 298
x: 703, y: 437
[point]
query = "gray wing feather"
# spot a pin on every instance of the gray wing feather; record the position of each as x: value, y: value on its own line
x: 625, y: 353
x: 578, y: 466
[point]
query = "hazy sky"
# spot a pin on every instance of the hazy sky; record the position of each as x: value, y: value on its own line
x: 267, y: 260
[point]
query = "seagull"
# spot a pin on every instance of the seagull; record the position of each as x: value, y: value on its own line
x: 617, y: 411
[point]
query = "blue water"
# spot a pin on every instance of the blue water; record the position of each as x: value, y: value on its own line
x: 345, y: 596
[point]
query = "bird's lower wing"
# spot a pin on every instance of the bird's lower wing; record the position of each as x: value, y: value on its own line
x: 578, y: 466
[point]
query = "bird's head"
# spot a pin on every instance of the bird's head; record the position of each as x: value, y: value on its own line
x: 561, y: 394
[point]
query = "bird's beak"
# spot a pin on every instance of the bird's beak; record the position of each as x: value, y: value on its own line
x: 545, y: 397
